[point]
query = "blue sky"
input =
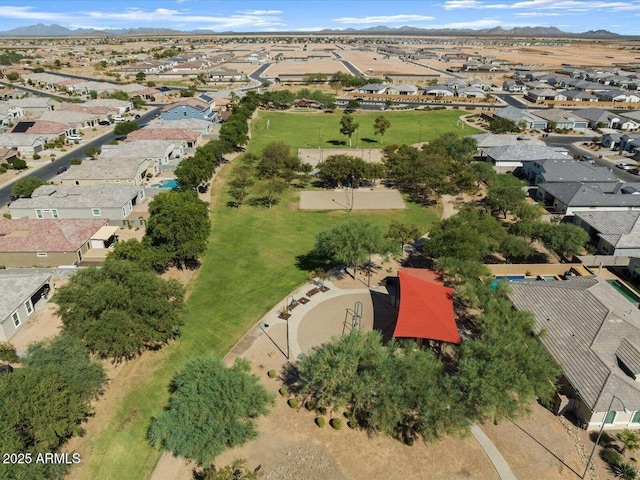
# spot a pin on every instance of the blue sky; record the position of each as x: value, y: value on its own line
x: 622, y: 17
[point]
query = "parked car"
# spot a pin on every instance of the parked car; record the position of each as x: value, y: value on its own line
x: 635, y: 171
x: 74, y: 138
x: 118, y: 118
x: 104, y: 122
x: 61, y: 170
x: 588, y: 159
x: 623, y: 166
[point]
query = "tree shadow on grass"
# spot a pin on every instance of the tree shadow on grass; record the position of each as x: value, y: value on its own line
x: 261, y: 202
x: 369, y: 140
x: 337, y: 142
x: 310, y: 262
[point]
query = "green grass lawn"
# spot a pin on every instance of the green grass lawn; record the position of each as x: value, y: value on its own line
x: 323, y: 129
x: 249, y: 267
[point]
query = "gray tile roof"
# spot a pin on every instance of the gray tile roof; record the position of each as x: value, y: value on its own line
x: 579, y: 194
x: 496, y: 140
x: 620, y: 229
x: 629, y: 355
x: 522, y: 152
x: 516, y: 115
x: 78, y: 196
x: 567, y: 170
x: 582, y: 322
x: 16, y: 289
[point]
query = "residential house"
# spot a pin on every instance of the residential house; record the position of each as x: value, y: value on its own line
x: 579, y: 96
x: 613, y: 233
x: 184, y: 138
x: 225, y: 74
x: 188, y: 108
x: 593, y: 332
x: 471, y: 92
x: 562, y: 119
x: 113, y: 202
x: 77, y: 119
x: 9, y: 114
x: 599, y: 118
x: 617, y: 95
x: 402, y: 90
x: 116, y: 170
x: 511, y: 157
x: 372, y: 88
x: 23, y: 143
x: 514, y: 86
x: 34, y: 106
x: 22, y: 296
x: 48, y: 130
x: 159, y: 151
x: 439, y: 91
x: 569, y: 197
x: 498, y: 140
x: 26, y: 243
x: 542, y: 95
x: 565, y: 170
x: 522, y: 117
x: 629, y: 142
x: 611, y: 140
x: 203, y: 127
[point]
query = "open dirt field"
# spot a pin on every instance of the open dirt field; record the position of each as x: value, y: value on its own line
x: 375, y: 65
x: 313, y: 156
x: 303, y: 68
x: 380, y: 198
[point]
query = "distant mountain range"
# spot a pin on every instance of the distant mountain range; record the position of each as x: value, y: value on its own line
x: 41, y: 30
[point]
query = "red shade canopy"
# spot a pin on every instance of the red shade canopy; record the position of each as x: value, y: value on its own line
x: 426, y: 307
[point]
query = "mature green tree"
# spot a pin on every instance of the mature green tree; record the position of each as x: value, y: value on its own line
x: 516, y: 249
x: 503, y: 125
x: 178, y: 224
x: 270, y: 189
x: 505, y: 197
x: 505, y: 369
x: 196, y: 170
x: 24, y: 187
x: 482, y: 171
x: 121, y: 309
x: 348, y: 126
x: 380, y: 125
x: 8, y: 352
x: 125, y: 128
x: 402, y: 233
x: 234, y: 133
x: 351, y: 243
x: 143, y: 255
x: 13, y: 76
x: 141, y: 77
x: 563, y: 238
x: 277, y: 160
x: 92, y: 151
x: 240, y: 186
x: 458, y: 149
x: 469, y: 235
x: 343, y: 169
x: 211, y: 408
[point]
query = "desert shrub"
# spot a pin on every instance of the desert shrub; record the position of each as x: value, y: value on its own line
x: 310, y: 405
x: 611, y: 456
x: 322, y: 410
x: 36, y: 156
x: 320, y: 421
x: 271, y: 373
x: 335, y: 423
x: 293, y: 402
x: 8, y: 352
x: 284, y: 391
x: 625, y: 471
x: 352, y: 424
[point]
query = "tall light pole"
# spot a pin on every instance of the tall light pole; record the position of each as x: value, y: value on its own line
x: 593, y: 451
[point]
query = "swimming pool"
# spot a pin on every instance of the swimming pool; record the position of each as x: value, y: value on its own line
x: 171, y: 183
x: 624, y: 291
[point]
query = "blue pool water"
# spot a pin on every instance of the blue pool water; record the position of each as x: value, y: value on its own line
x: 171, y: 183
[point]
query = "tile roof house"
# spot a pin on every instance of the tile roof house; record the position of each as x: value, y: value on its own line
x: 9, y: 114
x: 78, y: 120
x: 570, y: 197
x: 565, y: 170
x: 21, y: 296
x: 521, y: 116
x: 35, y: 105
x: 185, y: 138
x: 498, y: 140
x: 160, y: 151
x: 599, y: 117
x: 402, y: 90
x: 563, y: 118
x: 113, y: 202
x: 188, y: 108
x: 49, y: 130
x: 579, y: 96
x: 24, y: 143
x: 202, y: 127
x: 115, y: 170
x: 372, y: 88
x: 45, y: 243
x: 593, y: 332
x: 509, y: 157
x: 613, y: 233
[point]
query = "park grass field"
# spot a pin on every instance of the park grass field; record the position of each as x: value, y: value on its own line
x: 250, y: 265
x: 317, y: 129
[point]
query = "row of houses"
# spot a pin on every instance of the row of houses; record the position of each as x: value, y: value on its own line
x: 585, y: 323
x: 453, y: 88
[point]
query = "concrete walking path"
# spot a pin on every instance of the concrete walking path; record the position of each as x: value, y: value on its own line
x: 492, y: 452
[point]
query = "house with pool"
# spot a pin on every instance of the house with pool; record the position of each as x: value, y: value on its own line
x: 591, y: 327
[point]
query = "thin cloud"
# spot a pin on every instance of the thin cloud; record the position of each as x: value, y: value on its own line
x: 567, y: 6
x: 382, y: 19
x: 260, y: 12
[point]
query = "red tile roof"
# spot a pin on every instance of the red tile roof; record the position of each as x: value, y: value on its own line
x: 46, y: 235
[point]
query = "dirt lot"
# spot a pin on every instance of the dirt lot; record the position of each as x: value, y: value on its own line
x: 379, y: 198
